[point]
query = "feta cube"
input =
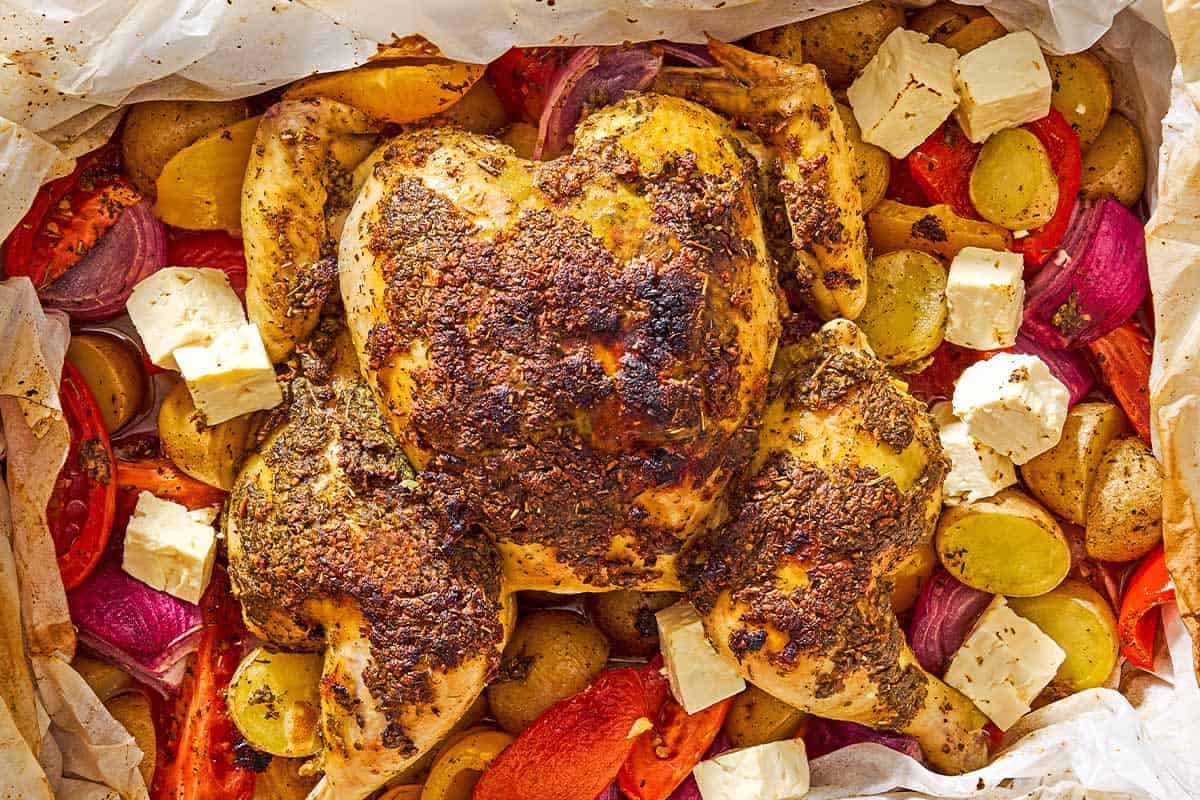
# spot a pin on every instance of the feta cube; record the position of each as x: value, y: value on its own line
x: 231, y: 376
x: 181, y: 306
x: 698, y: 675
x: 985, y: 294
x: 905, y: 92
x: 170, y: 548
x: 976, y: 470
x: 1004, y: 664
x: 773, y: 771
x: 1013, y: 404
x: 1002, y: 84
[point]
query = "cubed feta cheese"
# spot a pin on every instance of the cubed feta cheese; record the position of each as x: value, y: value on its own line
x: 905, y: 92
x: 1013, y: 404
x: 170, y: 548
x: 231, y: 376
x: 180, y: 306
x: 1004, y: 664
x: 1002, y: 84
x: 976, y: 470
x: 984, y: 296
x: 699, y: 676
x: 773, y: 771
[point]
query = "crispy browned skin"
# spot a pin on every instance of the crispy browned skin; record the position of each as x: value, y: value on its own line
x: 333, y: 544
x: 846, y: 482
x: 580, y: 347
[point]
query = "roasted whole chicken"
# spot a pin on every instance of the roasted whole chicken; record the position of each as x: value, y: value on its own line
x: 580, y: 359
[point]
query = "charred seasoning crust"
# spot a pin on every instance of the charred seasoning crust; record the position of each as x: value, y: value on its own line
x: 561, y: 383
x: 430, y: 598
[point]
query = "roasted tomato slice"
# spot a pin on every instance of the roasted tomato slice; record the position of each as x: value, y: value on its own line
x: 521, y: 78
x: 214, y: 249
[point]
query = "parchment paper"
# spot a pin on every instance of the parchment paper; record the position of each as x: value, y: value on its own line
x: 66, y: 65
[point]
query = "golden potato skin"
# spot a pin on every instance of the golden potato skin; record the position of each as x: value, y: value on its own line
x: 1124, y: 513
x: 113, y: 373
x: 209, y: 453
x: 975, y: 33
x: 155, y: 131
x: 627, y: 618
x: 1082, y: 92
x: 944, y: 19
x: 756, y: 717
x: 1062, y: 477
x: 1115, y: 163
x: 842, y: 42
x: 552, y: 655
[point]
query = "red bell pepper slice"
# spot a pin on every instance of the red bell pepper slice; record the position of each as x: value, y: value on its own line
x: 902, y: 187
x: 163, y: 479
x: 936, y: 381
x: 1062, y: 145
x: 82, y: 505
x: 196, y: 737
x: 1124, y: 357
x: 662, y: 758
x: 67, y: 217
x: 1149, y: 587
x: 213, y: 249
x: 942, y: 166
x: 575, y: 749
x: 521, y: 78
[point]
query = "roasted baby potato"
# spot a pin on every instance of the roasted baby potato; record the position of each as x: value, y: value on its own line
x: 552, y: 654
x: 1006, y: 544
x: 1115, y: 163
x: 1013, y: 183
x: 1082, y: 92
x: 1124, y: 510
x: 873, y: 166
x: 627, y: 618
x: 756, y: 717
x: 522, y: 138
x: 944, y: 19
x: 909, y: 578
x: 112, y: 370
x: 479, y: 111
x: 132, y: 710
x: 905, y: 314
x: 1081, y: 621
x: 840, y: 43
x: 155, y: 131
x: 936, y: 229
x: 1062, y: 477
x: 975, y: 33
x: 786, y: 42
x: 200, y: 188
x: 395, y: 92
x: 105, y: 679
x: 274, y: 701
x: 209, y: 453
x: 281, y: 780
x: 459, y: 764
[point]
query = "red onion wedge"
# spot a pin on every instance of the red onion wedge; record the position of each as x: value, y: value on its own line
x: 97, y: 287
x: 592, y: 76
x: 688, y: 790
x: 695, y: 55
x: 1069, y: 366
x: 943, y: 616
x: 823, y: 736
x: 1095, y: 282
x: 142, y: 630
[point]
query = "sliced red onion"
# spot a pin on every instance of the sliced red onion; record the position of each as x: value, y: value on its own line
x: 688, y: 790
x: 695, y: 54
x: 591, y: 76
x: 611, y: 793
x: 142, y: 630
x: 1069, y: 366
x: 97, y: 287
x: 823, y: 736
x: 1095, y: 282
x: 1103, y: 576
x: 941, y: 619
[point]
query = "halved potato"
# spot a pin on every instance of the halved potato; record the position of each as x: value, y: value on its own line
x: 910, y: 577
x: 209, y: 453
x: 458, y: 766
x: 274, y: 701
x: 200, y: 188
x: 936, y: 229
x: 522, y: 138
x: 1124, y: 511
x: 281, y: 780
x: 1081, y: 621
x: 627, y: 618
x: 1115, y: 163
x: 1082, y: 92
x: 1013, y: 183
x: 905, y: 313
x: 479, y: 111
x: 1006, y: 544
x: 1062, y: 477
x: 155, y: 131
x: 975, y: 33
x: 106, y: 680
x: 395, y: 92
x: 944, y: 19
x: 756, y: 717
x: 113, y: 373
x: 842, y: 42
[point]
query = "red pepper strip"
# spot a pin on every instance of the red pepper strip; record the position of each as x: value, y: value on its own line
x: 1149, y: 588
x: 82, y: 505
x: 942, y: 166
x: 67, y: 217
x: 521, y: 77
x: 936, y: 381
x: 196, y: 737
x: 1124, y: 357
x: 1062, y: 145
x: 662, y: 759
x: 161, y: 478
x: 902, y: 187
x: 576, y: 748
x: 213, y: 249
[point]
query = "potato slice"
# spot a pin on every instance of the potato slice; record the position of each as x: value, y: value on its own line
x: 274, y: 701
x: 1013, y: 183
x: 1115, y: 163
x: 200, y: 188
x: 1061, y: 478
x: 209, y: 453
x: 975, y: 33
x: 842, y: 42
x: 910, y: 577
x: 155, y: 131
x: 1081, y: 621
x: 1124, y: 510
x: 112, y: 370
x: 905, y: 313
x: 395, y: 92
x: 873, y: 166
x: 936, y: 229
x: 281, y: 780
x: 460, y: 763
x: 756, y: 717
x: 1006, y: 544
x: 133, y: 711
x: 1082, y: 92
